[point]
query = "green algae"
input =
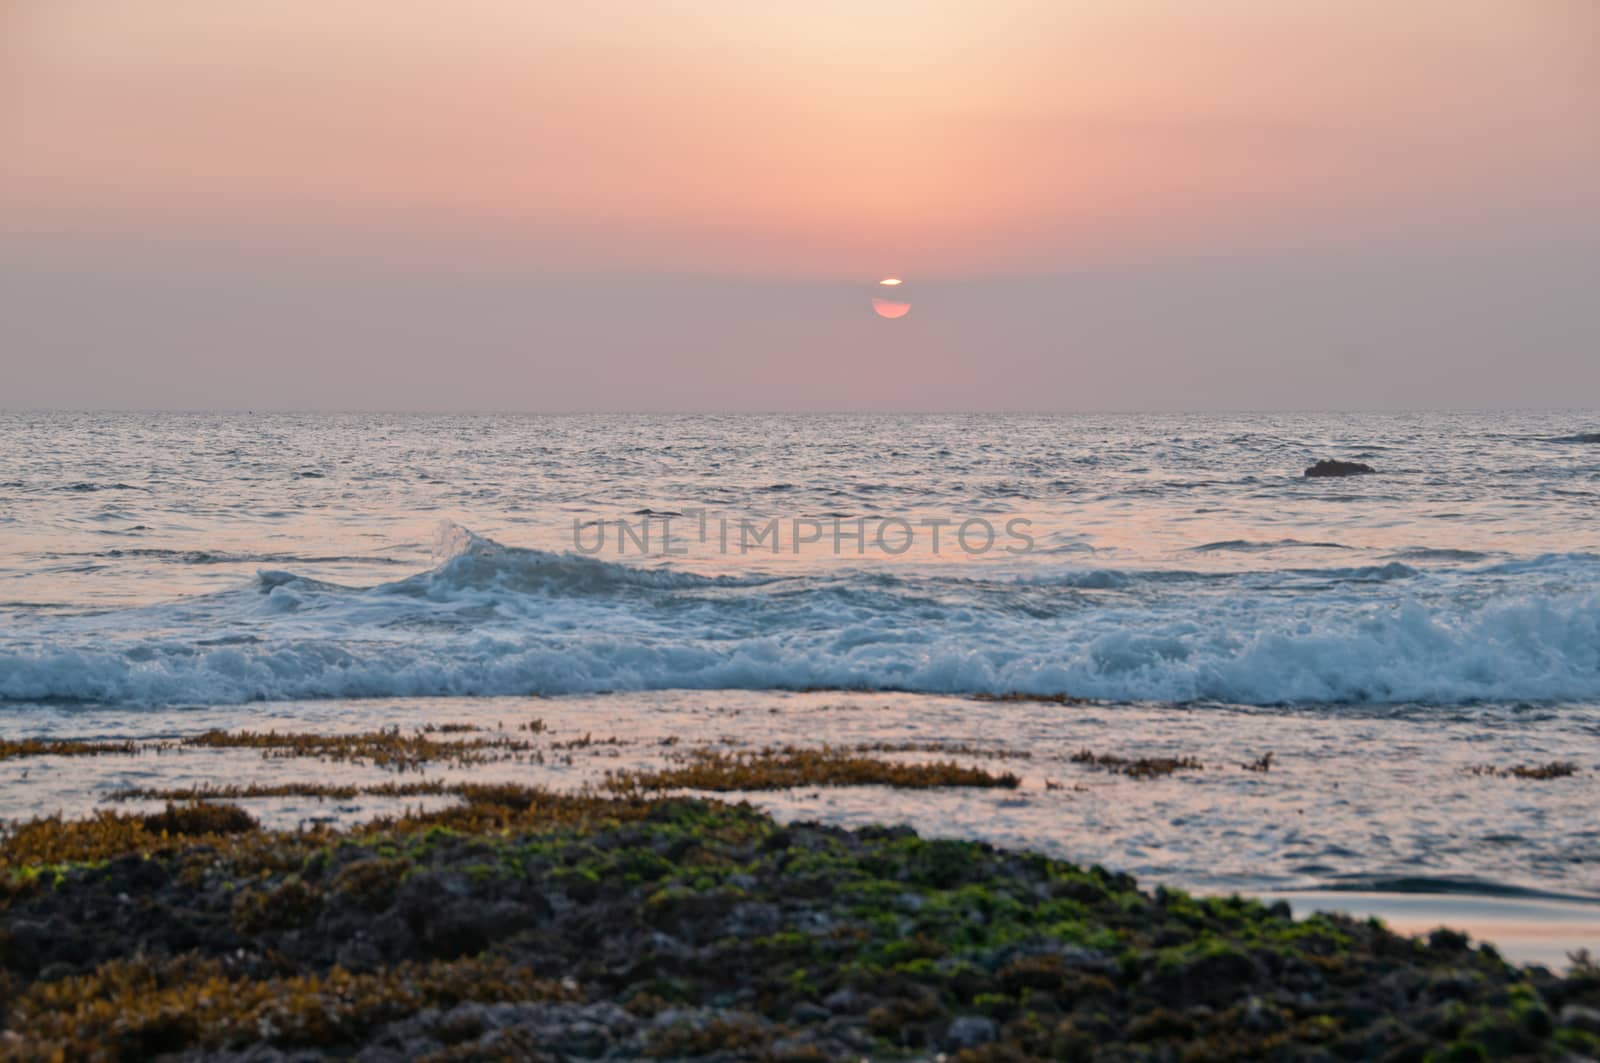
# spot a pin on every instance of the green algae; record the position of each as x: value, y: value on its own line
x: 749, y: 924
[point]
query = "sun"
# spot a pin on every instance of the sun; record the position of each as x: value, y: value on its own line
x: 891, y: 307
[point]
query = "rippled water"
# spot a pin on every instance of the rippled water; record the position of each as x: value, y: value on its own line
x: 160, y: 573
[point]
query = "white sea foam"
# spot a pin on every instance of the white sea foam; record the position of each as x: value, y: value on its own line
x: 491, y: 619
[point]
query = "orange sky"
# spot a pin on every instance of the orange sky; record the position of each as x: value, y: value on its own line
x: 828, y: 138
x: 687, y: 204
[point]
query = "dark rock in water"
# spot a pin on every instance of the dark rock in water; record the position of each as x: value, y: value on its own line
x: 1581, y: 437
x: 1339, y: 468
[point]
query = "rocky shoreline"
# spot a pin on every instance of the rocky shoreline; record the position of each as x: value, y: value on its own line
x: 531, y: 925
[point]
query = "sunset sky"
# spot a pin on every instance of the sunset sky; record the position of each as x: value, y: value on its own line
x: 1095, y: 203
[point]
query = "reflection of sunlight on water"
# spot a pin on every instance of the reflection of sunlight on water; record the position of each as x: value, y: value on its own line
x: 317, y: 491
x: 1177, y: 556
x: 1351, y: 797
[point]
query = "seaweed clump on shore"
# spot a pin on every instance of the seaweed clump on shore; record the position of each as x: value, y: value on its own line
x: 524, y: 924
x: 12, y: 748
x: 789, y: 767
x: 1136, y: 767
x: 1047, y: 699
x: 390, y: 748
x: 54, y: 841
x: 1556, y: 769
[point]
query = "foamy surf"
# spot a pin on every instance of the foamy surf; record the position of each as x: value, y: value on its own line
x: 493, y: 619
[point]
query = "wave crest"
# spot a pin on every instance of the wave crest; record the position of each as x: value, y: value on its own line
x: 496, y: 620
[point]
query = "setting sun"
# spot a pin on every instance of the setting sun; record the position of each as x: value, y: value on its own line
x: 398, y: 387
x: 892, y: 308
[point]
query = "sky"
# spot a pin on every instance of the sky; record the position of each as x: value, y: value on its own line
x: 687, y: 204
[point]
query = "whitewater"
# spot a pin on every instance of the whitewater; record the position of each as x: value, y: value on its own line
x: 499, y: 620
x: 1398, y: 642
x: 160, y: 559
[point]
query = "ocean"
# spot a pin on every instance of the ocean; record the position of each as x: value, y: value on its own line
x: 1397, y: 641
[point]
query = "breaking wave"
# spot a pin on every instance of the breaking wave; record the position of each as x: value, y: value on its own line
x: 490, y: 619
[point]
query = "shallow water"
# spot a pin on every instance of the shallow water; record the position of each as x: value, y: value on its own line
x: 165, y: 573
x: 1360, y: 799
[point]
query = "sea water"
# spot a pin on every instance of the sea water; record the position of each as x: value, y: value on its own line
x: 754, y: 580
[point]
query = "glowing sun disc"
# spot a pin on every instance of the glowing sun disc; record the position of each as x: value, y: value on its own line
x: 890, y: 309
